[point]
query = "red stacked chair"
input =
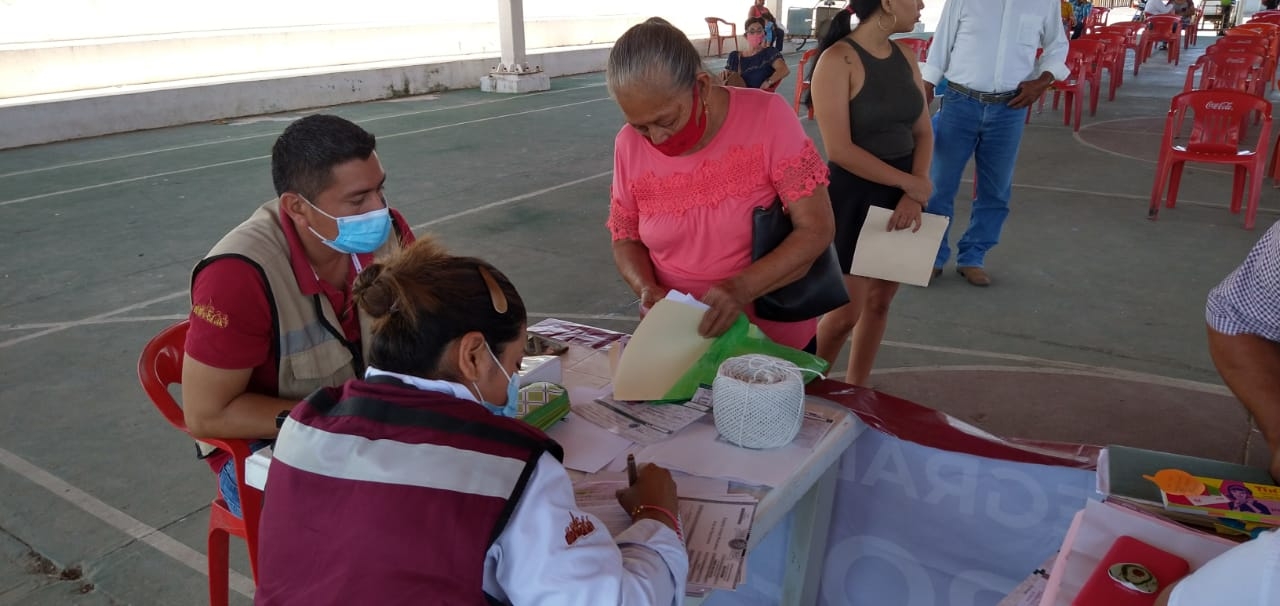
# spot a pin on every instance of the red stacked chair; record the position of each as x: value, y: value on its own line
x: 1132, y: 32
x: 1218, y: 124
x: 1096, y: 20
x: 1111, y: 59
x: 1082, y: 59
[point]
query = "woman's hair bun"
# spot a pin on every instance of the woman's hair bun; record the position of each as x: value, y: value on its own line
x: 374, y: 292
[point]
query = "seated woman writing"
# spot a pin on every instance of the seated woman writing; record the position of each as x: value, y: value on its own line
x: 413, y: 485
x: 760, y: 66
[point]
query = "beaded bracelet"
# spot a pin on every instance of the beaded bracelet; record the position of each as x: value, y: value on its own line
x: 664, y: 511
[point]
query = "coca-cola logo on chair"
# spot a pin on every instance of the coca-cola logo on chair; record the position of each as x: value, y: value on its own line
x: 1225, y: 106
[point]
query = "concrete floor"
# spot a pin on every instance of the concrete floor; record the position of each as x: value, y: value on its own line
x: 1092, y: 332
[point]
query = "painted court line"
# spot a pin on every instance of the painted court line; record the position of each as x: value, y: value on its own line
x: 120, y: 520
x: 63, y: 326
x: 76, y: 323
x: 256, y: 158
x: 276, y: 134
x: 511, y: 200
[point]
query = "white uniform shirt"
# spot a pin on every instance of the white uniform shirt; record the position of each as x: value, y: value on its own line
x: 534, y: 560
x: 1247, y: 575
x: 1158, y: 7
x: 990, y: 45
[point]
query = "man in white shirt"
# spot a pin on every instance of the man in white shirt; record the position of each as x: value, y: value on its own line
x: 1246, y: 575
x: 1158, y: 7
x: 986, y: 51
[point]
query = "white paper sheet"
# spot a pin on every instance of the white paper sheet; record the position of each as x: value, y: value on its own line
x: 587, y: 447
x: 716, y: 529
x: 898, y: 256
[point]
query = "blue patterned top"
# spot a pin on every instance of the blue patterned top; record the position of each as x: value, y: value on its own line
x: 1248, y: 300
x: 755, y: 69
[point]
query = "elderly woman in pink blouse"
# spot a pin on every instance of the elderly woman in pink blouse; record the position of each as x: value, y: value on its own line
x: 693, y: 162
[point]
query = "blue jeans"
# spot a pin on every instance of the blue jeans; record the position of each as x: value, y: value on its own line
x: 228, y: 487
x: 991, y: 133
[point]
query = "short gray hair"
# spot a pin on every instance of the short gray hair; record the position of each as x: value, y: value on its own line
x: 652, y: 50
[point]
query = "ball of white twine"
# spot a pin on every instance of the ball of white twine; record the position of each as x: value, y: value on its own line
x: 758, y: 400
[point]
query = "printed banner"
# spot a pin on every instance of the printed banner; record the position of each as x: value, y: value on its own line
x: 919, y: 526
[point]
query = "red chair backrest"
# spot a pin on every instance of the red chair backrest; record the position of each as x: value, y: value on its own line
x: 1083, y: 55
x: 159, y: 366
x: 1230, y: 71
x: 1218, y: 118
x: 805, y: 58
x: 1164, y: 26
x: 1268, y: 18
x: 713, y: 26
x: 919, y: 45
x: 1128, y: 29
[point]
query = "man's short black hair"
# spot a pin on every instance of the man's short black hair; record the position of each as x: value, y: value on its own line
x: 303, y: 158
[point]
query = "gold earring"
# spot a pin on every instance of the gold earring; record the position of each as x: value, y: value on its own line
x: 880, y: 24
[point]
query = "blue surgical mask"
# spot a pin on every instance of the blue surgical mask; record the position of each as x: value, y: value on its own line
x: 512, y: 406
x: 357, y: 234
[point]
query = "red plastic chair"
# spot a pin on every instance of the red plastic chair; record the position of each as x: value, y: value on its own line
x: 1082, y: 60
x: 1132, y: 31
x: 1226, y: 71
x: 1096, y: 20
x: 159, y: 367
x: 919, y: 45
x: 1160, y: 28
x: 1192, y: 35
x: 713, y: 27
x: 1218, y: 123
x: 1111, y: 59
x: 802, y: 82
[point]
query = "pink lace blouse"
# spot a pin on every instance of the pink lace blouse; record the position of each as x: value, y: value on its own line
x: 694, y: 212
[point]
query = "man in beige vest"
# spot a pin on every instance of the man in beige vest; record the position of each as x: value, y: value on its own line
x: 271, y: 313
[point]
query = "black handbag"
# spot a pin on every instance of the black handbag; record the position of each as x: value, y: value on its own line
x: 817, y: 292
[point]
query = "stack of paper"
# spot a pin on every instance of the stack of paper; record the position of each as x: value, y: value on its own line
x: 716, y: 525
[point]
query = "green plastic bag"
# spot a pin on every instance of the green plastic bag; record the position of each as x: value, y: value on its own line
x: 741, y: 339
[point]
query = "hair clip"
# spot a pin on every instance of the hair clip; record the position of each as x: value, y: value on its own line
x: 495, y: 292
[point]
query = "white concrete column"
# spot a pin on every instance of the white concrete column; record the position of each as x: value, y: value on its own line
x: 513, y: 74
x: 511, y: 31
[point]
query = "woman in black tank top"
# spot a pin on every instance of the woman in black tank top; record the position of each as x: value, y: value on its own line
x: 869, y: 101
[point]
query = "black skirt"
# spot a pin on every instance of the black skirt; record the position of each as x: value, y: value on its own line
x: 851, y: 198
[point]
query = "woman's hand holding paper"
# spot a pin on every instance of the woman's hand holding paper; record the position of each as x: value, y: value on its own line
x: 906, y: 215
x: 726, y: 300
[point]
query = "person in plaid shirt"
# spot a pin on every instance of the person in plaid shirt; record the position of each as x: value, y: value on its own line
x: 1080, y: 11
x: 1243, y: 314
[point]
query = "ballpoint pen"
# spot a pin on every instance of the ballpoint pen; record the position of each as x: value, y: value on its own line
x: 631, y: 470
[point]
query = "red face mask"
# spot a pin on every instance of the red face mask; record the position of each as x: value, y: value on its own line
x: 690, y: 134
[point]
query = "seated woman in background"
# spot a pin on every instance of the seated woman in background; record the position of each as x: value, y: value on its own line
x: 691, y: 165
x: 413, y: 486
x: 760, y: 66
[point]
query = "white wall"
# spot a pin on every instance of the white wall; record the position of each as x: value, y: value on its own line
x: 68, y: 46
